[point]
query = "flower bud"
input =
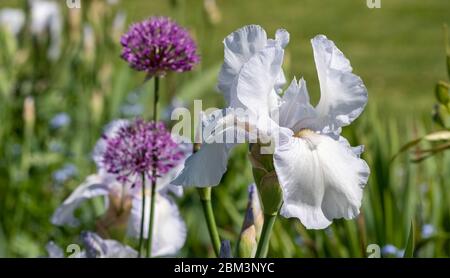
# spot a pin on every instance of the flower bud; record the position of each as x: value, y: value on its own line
x: 29, y: 114
x: 441, y: 115
x: 443, y: 93
x: 97, y: 106
x: 225, y: 249
x: 212, y: 10
x: 252, y: 225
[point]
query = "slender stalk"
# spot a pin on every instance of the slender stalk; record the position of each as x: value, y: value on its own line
x: 141, y: 233
x: 266, y: 232
x: 205, y: 196
x: 152, y: 219
x: 156, y: 99
x: 153, y: 192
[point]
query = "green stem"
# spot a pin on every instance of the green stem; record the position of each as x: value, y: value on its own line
x: 205, y: 196
x: 152, y: 219
x: 153, y: 192
x: 263, y: 244
x: 156, y: 99
x: 141, y: 234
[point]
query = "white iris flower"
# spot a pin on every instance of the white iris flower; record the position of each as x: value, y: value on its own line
x: 322, y: 177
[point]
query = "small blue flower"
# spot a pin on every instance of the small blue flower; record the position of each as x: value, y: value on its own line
x: 16, y: 150
x: 65, y: 173
x: 56, y: 147
x: 389, y: 249
x: 400, y: 253
x: 299, y: 241
x: 133, y: 97
x: 60, y: 120
x: 428, y: 230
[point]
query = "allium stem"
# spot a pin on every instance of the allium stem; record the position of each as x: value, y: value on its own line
x: 152, y: 218
x: 156, y: 99
x: 153, y: 192
x: 205, y: 196
x: 266, y: 232
x: 141, y: 234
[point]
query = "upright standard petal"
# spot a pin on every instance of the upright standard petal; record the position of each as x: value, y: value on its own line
x: 295, y: 110
x: 343, y: 94
x: 169, y: 232
x: 256, y: 81
x: 94, y: 186
x: 321, y: 179
x: 239, y: 46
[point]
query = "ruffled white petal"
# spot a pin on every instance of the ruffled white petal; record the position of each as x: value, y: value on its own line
x: 169, y: 232
x: 343, y: 94
x: 206, y: 167
x: 282, y: 37
x: 97, y: 247
x: 239, y: 46
x: 256, y: 81
x: 94, y: 186
x: 53, y: 250
x: 321, y: 178
x: 295, y: 110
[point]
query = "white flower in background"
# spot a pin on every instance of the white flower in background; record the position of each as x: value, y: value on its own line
x: 46, y: 17
x: 95, y: 247
x: 321, y: 175
x: 123, y: 190
x: 12, y: 19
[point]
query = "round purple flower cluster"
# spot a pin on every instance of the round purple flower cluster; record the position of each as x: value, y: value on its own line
x: 140, y: 148
x: 158, y: 45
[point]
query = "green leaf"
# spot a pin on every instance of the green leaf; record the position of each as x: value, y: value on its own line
x: 441, y: 135
x: 424, y: 154
x: 409, y: 249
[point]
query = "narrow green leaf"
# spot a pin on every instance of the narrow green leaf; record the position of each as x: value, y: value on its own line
x: 409, y: 249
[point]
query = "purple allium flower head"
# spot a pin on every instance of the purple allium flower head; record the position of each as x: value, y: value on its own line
x: 138, y: 147
x: 158, y: 45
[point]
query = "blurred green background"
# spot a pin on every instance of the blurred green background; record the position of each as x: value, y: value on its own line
x: 398, y: 50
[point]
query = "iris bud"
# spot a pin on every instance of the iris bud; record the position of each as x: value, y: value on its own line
x: 443, y: 93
